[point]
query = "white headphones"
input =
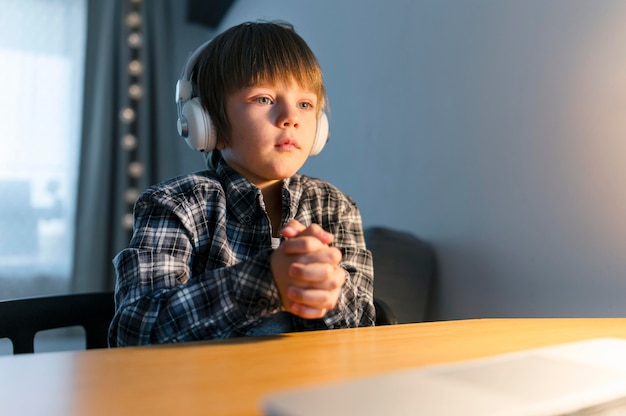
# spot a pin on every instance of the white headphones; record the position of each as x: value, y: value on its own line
x: 194, y: 123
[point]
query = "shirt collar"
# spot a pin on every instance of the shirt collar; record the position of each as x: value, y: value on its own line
x: 242, y: 196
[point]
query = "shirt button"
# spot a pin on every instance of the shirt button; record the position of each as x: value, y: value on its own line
x: 263, y: 303
x: 247, y: 219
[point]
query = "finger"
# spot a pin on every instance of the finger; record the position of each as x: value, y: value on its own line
x: 315, y: 230
x: 307, y: 312
x: 328, y: 255
x: 302, y: 245
x: 312, y: 309
x: 292, y: 229
x: 317, y: 276
x: 296, y: 229
x: 314, y: 298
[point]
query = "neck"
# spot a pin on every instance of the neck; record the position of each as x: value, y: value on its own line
x: 272, y: 197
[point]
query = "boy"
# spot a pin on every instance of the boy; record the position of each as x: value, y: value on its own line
x: 249, y: 246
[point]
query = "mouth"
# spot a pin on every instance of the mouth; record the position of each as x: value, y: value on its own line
x: 287, y: 145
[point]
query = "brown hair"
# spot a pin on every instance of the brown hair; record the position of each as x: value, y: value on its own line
x: 251, y: 54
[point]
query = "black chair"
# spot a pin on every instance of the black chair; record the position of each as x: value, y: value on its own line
x: 404, y: 274
x: 21, y: 319
x: 384, y: 314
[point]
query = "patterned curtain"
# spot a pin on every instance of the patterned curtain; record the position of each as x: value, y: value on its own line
x: 128, y: 129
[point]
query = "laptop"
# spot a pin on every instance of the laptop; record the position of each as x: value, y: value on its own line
x: 579, y: 378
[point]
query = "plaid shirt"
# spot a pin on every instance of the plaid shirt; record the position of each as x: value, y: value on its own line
x: 198, y: 264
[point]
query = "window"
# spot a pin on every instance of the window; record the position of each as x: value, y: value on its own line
x: 42, y: 46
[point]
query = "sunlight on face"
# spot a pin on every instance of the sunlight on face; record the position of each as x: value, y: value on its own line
x: 272, y: 131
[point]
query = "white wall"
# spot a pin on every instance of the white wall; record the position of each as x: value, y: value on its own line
x: 496, y: 130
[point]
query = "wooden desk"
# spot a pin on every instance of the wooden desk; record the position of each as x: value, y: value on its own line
x: 231, y: 377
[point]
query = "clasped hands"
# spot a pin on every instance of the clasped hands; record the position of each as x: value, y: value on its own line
x: 306, y: 270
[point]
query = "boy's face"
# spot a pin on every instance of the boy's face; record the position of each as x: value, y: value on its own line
x: 272, y: 131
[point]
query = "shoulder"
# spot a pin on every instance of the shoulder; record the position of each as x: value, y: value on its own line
x: 323, y: 203
x: 311, y: 186
x: 184, y: 189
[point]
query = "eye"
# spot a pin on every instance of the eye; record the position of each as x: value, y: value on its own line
x: 263, y: 100
x: 306, y: 105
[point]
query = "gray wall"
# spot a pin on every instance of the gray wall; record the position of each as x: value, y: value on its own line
x: 496, y: 130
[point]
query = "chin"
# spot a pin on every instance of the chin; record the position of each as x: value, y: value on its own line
x: 283, y: 173
x: 286, y: 169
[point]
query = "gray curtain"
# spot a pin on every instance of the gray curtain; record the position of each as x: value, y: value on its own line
x: 107, y: 182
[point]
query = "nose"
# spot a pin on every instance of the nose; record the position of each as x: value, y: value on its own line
x: 287, y: 116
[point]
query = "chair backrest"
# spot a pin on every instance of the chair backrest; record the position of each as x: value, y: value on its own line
x: 21, y: 319
x: 384, y: 314
x: 404, y: 272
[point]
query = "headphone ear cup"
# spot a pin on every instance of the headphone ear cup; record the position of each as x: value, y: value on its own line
x: 321, y: 135
x: 200, y: 132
